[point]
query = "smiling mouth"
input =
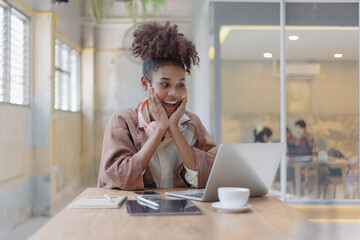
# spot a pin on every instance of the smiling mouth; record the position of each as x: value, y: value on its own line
x: 170, y: 106
x: 170, y: 102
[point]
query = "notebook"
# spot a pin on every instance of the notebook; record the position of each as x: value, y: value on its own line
x: 98, y: 202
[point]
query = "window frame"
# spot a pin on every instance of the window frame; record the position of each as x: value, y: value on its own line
x: 59, y: 70
x: 26, y: 95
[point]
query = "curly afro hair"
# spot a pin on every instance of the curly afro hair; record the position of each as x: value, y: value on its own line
x: 159, y: 45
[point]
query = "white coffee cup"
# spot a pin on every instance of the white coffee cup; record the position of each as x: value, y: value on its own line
x: 233, y: 197
x: 322, y: 156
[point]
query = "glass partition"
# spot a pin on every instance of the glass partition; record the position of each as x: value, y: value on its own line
x: 250, y: 80
x: 250, y: 84
x: 322, y: 90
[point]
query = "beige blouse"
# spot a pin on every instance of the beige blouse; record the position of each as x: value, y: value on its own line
x: 166, y: 159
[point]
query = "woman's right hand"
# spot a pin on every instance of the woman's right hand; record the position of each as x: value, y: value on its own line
x: 157, y: 110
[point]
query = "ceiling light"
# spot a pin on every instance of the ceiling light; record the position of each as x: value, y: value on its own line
x: 211, y: 53
x: 293, y: 37
x: 224, y: 32
x: 267, y: 55
x: 338, y: 55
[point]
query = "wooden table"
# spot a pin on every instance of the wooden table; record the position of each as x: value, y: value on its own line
x: 269, y: 218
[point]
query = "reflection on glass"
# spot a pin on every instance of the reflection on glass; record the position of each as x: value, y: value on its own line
x: 322, y: 84
x: 322, y: 112
x: 250, y: 79
x: 250, y: 84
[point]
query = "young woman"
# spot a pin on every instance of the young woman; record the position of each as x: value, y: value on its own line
x: 158, y: 143
x: 262, y: 135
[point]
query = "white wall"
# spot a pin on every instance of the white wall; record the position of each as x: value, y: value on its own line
x: 335, y: 91
x: 39, y: 5
x: 201, y: 84
x: 68, y: 20
x: 117, y: 86
x: 16, y: 153
x: 251, y: 87
x: 68, y: 152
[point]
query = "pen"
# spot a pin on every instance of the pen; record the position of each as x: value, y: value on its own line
x: 148, y: 201
x: 108, y: 197
x: 147, y: 205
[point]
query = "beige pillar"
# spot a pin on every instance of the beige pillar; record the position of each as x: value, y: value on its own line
x: 42, y: 115
x: 88, y: 84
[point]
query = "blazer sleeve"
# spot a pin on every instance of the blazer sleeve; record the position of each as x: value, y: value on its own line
x: 205, y: 151
x: 120, y: 166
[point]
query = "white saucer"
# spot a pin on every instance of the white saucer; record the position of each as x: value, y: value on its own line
x: 220, y: 207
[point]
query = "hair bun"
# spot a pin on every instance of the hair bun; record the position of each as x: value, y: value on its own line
x: 155, y: 41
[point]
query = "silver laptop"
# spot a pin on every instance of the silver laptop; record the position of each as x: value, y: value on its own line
x: 251, y: 165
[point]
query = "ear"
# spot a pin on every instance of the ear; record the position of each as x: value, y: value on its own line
x: 144, y: 83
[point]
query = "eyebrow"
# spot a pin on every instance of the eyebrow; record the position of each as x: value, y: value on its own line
x: 168, y: 79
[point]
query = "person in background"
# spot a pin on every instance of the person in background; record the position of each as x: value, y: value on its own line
x: 262, y: 134
x: 305, y: 139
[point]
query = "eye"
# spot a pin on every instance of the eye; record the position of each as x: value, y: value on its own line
x: 181, y: 85
x: 164, y: 84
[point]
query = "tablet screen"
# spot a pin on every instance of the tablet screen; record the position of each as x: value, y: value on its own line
x: 166, y: 207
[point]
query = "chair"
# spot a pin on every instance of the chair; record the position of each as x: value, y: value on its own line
x: 290, y: 183
x: 310, y: 175
x: 334, y: 176
x: 334, y: 181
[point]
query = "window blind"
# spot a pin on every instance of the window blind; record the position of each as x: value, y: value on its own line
x: 67, y: 78
x: 3, y: 53
x: 14, y: 56
x: 18, y: 71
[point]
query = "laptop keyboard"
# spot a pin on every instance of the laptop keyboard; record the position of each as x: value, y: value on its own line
x: 199, y: 195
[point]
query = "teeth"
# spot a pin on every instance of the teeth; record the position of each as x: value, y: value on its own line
x: 170, y: 102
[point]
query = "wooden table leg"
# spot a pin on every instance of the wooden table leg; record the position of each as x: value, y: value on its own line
x: 297, y: 169
x: 344, y: 181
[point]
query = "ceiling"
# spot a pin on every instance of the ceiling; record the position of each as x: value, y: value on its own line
x: 312, y: 44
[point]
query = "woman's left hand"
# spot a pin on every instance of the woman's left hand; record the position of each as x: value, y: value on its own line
x: 180, y: 111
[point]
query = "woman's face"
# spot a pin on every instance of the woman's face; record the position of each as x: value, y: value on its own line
x: 299, y: 130
x: 266, y: 138
x: 168, y: 83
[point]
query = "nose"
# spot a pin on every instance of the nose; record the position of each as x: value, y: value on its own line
x: 172, y: 92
